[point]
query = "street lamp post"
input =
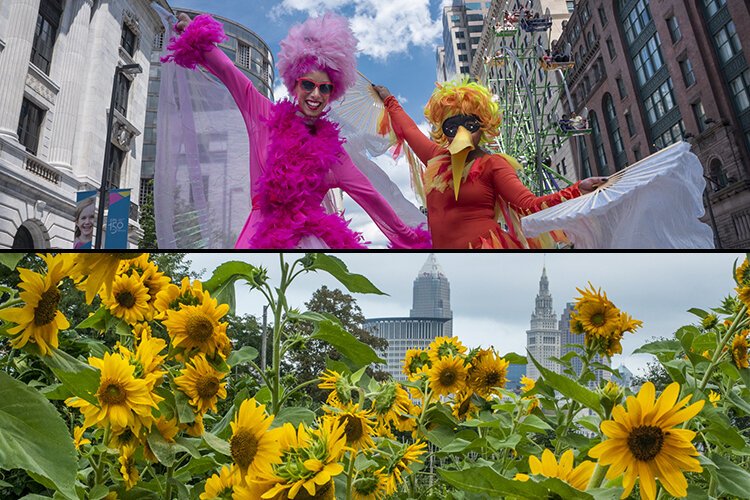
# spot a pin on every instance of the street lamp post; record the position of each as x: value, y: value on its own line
x: 128, y: 69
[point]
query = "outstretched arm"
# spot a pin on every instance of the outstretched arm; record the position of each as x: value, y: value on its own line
x: 511, y: 189
x: 358, y: 186
x: 405, y: 128
x: 197, y: 45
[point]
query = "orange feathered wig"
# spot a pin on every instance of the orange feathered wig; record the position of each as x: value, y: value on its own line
x: 462, y: 98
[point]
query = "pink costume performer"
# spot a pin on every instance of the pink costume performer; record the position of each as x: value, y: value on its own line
x: 296, y: 159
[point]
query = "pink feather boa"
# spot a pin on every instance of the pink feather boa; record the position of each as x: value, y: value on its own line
x: 201, y: 35
x: 293, y: 186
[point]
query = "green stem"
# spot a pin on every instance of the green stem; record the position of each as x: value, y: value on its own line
x: 719, y: 350
x: 350, y: 475
x: 10, y: 360
x: 168, y: 489
x: 11, y: 303
x: 297, y: 388
x: 598, y: 476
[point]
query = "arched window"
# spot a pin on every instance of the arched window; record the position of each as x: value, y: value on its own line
x: 583, y: 152
x: 613, y: 128
x: 599, y: 156
x: 718, y: 177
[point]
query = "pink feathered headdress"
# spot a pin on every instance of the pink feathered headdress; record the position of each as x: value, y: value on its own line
x: 320, y: 44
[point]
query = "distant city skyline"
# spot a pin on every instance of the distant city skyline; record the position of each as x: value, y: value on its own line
x: 492, y: 294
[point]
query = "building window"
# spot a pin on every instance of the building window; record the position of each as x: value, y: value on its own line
x: 464, y: 70
x: 674, y: 29
x: 727, y: 42
x: 599, y: 155
x: 243, y: 55
x: 648, y: 60
x: 602, y: 15
x: 713, y: 6
x: 463, y: 57
x: 631, y: 124
x: 461, y: 46
x: 128, y: 39
x: 613, y: 127
x: 637, y: 153
x: 741, y: 89
x: 30, y: 125
x: 114, y: 172
x: 660, y: 102
x: 671, y: 136
x: 637, y: 20
x: 122, y: 93
x: 700, y: 115
x: 583, y: 152
x: 460, y: 34
x: 719, y: 178
x: 571, y: 4
x: 159, y: 41
x: 687, y: 72
x: 621, y: 87
x: 45, y: 34
x: 611, y: 48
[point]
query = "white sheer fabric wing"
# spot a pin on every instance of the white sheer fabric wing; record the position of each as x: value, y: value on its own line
x: 357, y: 113
x: 655, y: 203
x: 202, y: 177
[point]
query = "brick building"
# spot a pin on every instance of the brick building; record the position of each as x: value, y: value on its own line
x: 654, y: 73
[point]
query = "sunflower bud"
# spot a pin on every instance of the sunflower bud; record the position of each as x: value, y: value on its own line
x: 611, y: 395
x: 709, y: 321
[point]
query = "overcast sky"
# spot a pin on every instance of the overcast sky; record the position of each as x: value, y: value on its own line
x: 492, y: 294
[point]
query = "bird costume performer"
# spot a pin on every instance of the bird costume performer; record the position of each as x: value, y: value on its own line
x: 473, y: 199
x: 296, y: 152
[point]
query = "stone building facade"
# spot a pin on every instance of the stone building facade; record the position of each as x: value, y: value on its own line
x: 653, y: 73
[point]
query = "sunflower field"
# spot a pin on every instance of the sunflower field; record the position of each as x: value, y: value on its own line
x: 149, y: 394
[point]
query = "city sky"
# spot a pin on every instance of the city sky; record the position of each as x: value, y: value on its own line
x: 397, y: 42
x: 493, y: 294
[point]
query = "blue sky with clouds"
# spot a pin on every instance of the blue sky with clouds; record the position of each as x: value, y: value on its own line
x: 397, y: 38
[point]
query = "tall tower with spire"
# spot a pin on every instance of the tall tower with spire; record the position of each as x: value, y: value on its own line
x: 543, y: 336
x: 432, y: 294
x: 429, y: 317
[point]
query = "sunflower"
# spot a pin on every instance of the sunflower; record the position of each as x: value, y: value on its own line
x: 194, y: 428
x: 168, y: 429
x: 527, y: 383
x: 124, y: 401
x: 416, y: 362
x: 406, y: 421
x: 443, y: 347
x: 128, y: 300
x: 488, y: 373
x: 742, y: 276
x: 220, y: 486
x: 358, y: 426
x: 598, y: 317
x: 148, y: 360
x: 39, y: 320
x: 99, y: 270
x: 252, y: 445
x: 174, y: 297
x: 78, y: 438
x: 714, y: 397
x: 644, y: 442
x: 463, y: 406
x: 309, y: 462
x: 339, y: 386
x: 127, y: 467
x: 578, y: 478
x: 124, y: 437
x: 448, y: 375
x: 202, y: 383
x: 198, y: 327
x: 739, y: 350
x: 154, y: 280
x: 400, y: 462
x: 370, y: 485
x: 141, y: 330
x: 389, y: 401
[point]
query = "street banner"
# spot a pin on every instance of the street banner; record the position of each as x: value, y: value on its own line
x: 85, y: 219
x: 117, y: 219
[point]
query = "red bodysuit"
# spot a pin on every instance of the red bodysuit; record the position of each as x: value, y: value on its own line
x: 490, y: 191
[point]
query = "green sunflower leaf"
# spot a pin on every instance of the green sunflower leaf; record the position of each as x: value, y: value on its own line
x: 221, y: 283
x: 243, y: 355
x: 11, y: 260
x: 80, y: 378
x: 731, y: 478
x: 569, y: 388
x: 355, y: 283
x: 294, y: 416
x: 34, y: 437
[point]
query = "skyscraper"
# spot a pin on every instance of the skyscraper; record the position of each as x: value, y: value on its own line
x: 462, y: 26
x: 430, y: 317
x: 543, y: 338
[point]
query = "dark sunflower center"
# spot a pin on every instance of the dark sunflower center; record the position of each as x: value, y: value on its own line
x: 323, y: 492
x: 47, y: 307
x: 448, y: 377
x: 199, y: 328
x: 112, y: 393
x: 125, y: 299
x: 126, y: 437
x: 492, y: 379
x: 645, y: 442
x: 243, y: 447
x: 353, y: 428
x: 597, y: 319
x: 207, y: 387
x: 366, y: 486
